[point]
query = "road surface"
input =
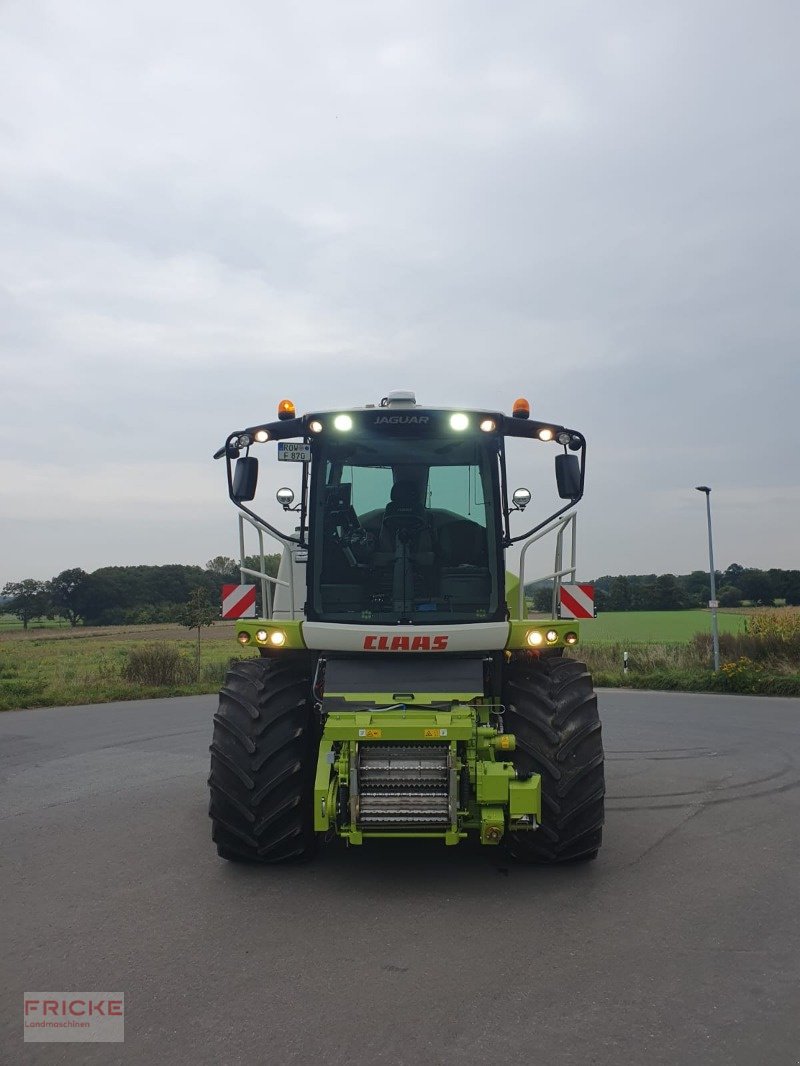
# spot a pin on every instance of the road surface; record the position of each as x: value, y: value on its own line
x: 679, y: 945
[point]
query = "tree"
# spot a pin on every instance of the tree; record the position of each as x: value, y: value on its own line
x: 668, y: 593
x: 729, y: 596
x: 198, y: 613
x: 619, y: 597
x: 792, y: 589
x: 542, y: 598
x: 732, y: 574
x: 28, y: 599
x: 68, y: 594
x: 223, y: 569
x: 755, y: 585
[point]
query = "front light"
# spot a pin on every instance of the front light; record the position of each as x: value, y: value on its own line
x: 261, y: 636
x: 315, y: 426
x: 277, y: 638
x: 343, y: 423
x: 459, y: 422
x: 488, y: 425
x: 545, y: 434
x: 261, y: 435
x: 243, y: 638
x: 551, y: 636
x: 571, y: 638
x: 534, y: 638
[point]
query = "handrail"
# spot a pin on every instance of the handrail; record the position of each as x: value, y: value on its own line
x: 267, y: 581
x: 559, y: 570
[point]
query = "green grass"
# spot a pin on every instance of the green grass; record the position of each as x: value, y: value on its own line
x: 47, y: 670
x: 655, y: 627
x: 74, y: 666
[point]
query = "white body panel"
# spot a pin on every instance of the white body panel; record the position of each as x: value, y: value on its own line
x: 282, y: 608
x: 476, y: 636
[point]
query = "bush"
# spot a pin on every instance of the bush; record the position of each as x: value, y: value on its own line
x: 157, y: 665
x: 742, y: 675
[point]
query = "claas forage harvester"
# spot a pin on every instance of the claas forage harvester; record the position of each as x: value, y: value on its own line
x: 398, y: 687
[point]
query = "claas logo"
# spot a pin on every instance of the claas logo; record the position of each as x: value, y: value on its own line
x: 405, y: 643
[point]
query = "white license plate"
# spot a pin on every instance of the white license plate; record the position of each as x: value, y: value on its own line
x: 289, y: 452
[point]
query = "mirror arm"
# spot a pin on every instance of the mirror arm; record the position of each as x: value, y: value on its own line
x: 541, y: 525
x: 509, y: 540
x: 267, y: 525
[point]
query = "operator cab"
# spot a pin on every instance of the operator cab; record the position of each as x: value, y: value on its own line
x: 405, y: 530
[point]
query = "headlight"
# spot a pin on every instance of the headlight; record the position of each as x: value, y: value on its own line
x: 343, y: 423
x: 315, y: 426
x: 277, y: 638
x: 459, y: 422
x: 534, y: 638
x: 243, y: 638
x: 261, y: 636
x: 571, y: 638
x: 551, y: 636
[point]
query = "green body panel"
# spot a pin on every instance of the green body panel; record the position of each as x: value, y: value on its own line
x: 383, y: 726
x: 492, y: 782
x: 512, y: 594
x: 498, y: 799
x: 525, y: 797
x: 323, y: 788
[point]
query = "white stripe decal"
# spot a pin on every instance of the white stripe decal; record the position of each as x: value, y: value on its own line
x: 238, y: 601
x: 577, y: 601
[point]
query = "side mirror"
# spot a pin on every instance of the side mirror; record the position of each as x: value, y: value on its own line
x: 568, y: 476
x: 285, y: 498
x: 245, y: 478
x: 521, y: 498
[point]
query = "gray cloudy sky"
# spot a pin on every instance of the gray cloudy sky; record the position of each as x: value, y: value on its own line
x: 208, y: 207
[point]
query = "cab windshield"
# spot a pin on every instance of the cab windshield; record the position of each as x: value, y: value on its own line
x: 404, y: 531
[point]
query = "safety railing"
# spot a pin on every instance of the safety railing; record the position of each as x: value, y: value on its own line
x: 565, y: 522
x: 267, y: 581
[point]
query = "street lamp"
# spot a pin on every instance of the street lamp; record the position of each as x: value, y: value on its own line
x: 713, y: 603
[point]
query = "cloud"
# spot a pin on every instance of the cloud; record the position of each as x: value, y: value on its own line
x: 205, y: 211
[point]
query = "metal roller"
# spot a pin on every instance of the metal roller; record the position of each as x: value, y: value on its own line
x: 404, y: 785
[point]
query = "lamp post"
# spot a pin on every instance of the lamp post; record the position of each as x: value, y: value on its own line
x: 713, y: 603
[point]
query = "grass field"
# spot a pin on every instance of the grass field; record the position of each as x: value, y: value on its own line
x: 61, y: 666
x: 655, y: 627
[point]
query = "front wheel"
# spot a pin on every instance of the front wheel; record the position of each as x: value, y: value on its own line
x: 551, y: 708
x: 262, y: 764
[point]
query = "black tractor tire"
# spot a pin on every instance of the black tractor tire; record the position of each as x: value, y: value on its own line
x: 263, y: 761
x: 551, y: 708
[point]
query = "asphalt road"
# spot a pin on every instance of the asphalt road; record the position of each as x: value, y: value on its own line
x: 679, y: 945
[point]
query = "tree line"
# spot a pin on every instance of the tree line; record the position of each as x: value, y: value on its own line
x: 735, y: 586
x: 124, y: 595
x: 136, y: 595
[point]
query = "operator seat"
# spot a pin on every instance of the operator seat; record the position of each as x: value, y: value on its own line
x: 405, y: 546
x: 405, y: 512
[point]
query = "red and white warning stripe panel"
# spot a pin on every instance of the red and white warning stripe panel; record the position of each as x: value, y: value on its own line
x: 576, y: 601
x: 238, y: 601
